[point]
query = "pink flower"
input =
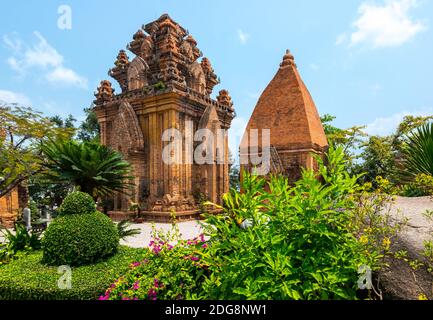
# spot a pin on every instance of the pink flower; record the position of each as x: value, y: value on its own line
x: 151, y: 294
x: 136, y: 285
x: 204, y: 246
x: 135, y: 264
x: 156, y: 283
x: 202, y: 239
x: 104, y: 297
x: 192, y: 258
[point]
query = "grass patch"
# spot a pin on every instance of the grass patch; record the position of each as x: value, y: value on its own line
x: 28, y: 279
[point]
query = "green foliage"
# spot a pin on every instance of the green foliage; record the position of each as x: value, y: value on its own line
x: 421, y: 186
x: 159, y: 86
x: 378, y: 158
x: 349, y: 139
x: 166, y: 272
x: 92, y: 168
x: 27, y: 278
x: 22, y: 131
x: 291, y: 242
x: 89, y: 128
x: 124, y: 231
x: 20, y: 240
x: 67, y: 123
x: 77, y: 203
x: 79, y: 239
x: 418, y: 152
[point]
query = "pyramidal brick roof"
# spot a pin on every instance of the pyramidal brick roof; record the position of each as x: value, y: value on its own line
x: 288, y: 110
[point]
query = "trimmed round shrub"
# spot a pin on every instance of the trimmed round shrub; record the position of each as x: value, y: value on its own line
x: 77, y: 203
x: 78, y: 240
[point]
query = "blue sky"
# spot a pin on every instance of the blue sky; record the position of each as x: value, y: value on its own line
x: 366, y: 62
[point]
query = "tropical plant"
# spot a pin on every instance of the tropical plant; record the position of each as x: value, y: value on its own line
x: 293, y: 242
x: 124, y: 231
x: 418, y: 152
x: 20, y: 240
x: 89, y: 167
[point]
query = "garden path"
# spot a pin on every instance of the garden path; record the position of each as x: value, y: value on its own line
x: 189, y: 230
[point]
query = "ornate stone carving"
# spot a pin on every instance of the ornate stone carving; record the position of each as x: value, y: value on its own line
x: 136, y: 74
x: 104, y: 92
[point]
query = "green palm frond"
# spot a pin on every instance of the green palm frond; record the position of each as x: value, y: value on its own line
x: 418, y: 152
x: 93, y: 168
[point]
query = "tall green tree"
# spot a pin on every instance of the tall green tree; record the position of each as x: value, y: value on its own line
x: 87, y: 166
x: 89, y: 128
x: 22, y: 131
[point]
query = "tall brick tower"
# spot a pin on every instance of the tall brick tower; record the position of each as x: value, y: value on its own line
x: 164, y: 86
x: 288, y: 110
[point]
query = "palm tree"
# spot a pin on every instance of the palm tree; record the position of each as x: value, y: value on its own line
x: 89, y: 167
x: 418, y: 152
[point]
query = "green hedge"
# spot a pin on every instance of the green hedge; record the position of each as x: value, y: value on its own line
x: 78, y: 240
x: 28, y: 279
x: 77, y: 203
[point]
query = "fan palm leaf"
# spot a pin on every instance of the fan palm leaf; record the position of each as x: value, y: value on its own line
x: 418, y: 152
x: 93, y: 168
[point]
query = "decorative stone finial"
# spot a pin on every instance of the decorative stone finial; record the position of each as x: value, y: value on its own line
x: 122, y: 59
x: 225, y: 99
x: 205, y: 63
x: 105, y: 92
x: 191, y: 40
x: 288, y: 60
x: 139, y: 35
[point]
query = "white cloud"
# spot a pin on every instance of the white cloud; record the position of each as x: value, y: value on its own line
x: 386, y: 25
x: 388, y: 125
x: 243, y: 36
x: 41, y: 55
x: 14, y: 97
x: 66, y: 76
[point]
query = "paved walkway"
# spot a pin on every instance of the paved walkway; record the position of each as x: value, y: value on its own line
x: 188, y: 230
x: 418, y: 228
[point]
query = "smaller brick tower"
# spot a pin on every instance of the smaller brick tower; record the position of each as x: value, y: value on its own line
x: 287, y: 109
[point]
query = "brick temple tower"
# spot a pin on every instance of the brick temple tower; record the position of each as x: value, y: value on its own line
x: 164, y: 86
x: 288, y: 110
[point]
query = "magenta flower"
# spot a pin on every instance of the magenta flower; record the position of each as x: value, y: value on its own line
x: 104, y: 297
x: 151, y: 294
x: 204, y: 246
x: 192, y: 258
x: 202, y: 239
x: 156, y: 283
x: 136, y: 285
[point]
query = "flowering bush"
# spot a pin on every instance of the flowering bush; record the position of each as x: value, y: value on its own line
x: 307, y: 241
x: 171, y: 269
